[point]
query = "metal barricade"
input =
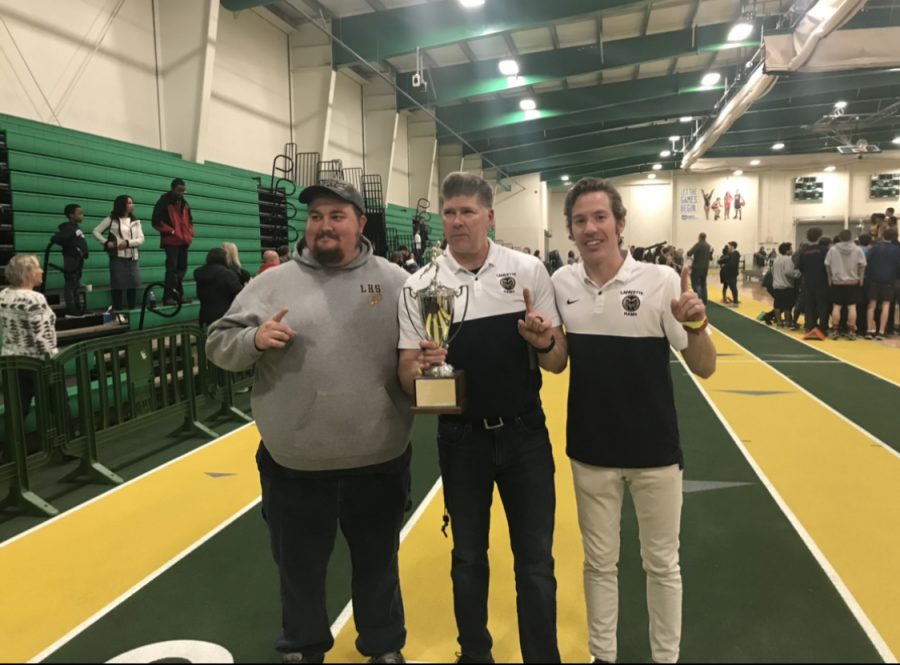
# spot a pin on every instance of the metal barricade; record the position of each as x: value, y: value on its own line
x: 28, y: 433
x: 124, y: 384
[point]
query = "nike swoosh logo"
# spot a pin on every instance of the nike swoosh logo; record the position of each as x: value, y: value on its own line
x: 569, y: 302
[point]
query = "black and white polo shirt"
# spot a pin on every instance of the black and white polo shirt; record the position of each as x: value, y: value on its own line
x: 621, y: 405
x: 502, y: 374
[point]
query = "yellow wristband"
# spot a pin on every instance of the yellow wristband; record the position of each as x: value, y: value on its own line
x: 695, y: 325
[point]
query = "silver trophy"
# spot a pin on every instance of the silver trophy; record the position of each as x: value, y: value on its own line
x: 439, y: 389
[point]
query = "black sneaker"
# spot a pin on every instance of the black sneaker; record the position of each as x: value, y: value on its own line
x: 389, y: 657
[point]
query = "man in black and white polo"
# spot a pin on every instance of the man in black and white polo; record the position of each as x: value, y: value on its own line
x: 511, y: 330
x: 621, y: 317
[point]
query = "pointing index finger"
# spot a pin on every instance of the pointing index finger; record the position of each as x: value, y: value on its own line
x: 529, y: 301
x: 685, y: 279
x: 281, y: 314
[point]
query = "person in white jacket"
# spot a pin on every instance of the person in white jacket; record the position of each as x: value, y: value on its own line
x: 846, y: 266
x: 121, y: 235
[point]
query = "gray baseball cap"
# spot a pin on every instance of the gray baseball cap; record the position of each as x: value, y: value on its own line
x: 334, y: 189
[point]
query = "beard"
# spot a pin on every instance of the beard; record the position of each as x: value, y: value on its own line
x: 327, y: 257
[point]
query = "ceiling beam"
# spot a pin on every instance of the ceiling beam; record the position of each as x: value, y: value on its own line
x: 646, y: 21
x: 554, y: 35
x: 394, y: 32
x: 492, y: 114
x: 468, y: 80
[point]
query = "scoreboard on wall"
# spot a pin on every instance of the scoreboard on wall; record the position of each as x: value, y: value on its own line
x: 884, y: 186
x: 808, y: 188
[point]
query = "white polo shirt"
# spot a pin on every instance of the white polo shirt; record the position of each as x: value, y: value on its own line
x: 502, y: 375
x: 621, y: 405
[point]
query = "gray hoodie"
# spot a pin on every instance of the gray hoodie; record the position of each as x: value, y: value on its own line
x: 845, y: 263
x: 331, y: 398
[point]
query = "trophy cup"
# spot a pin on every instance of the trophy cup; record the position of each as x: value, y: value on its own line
x: 439, y: 389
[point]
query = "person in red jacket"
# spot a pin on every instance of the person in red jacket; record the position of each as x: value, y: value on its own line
x: 172, y: 218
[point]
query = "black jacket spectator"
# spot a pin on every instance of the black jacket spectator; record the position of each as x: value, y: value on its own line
x: 217, y: 286
x: 71, y: 238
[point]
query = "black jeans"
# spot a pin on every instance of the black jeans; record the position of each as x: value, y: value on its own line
x: 176, y: 267
x: 698, y: 284
x: 303, y: 514
x: 517, y: 457
x: 818, y: 307
x: 72, y: 265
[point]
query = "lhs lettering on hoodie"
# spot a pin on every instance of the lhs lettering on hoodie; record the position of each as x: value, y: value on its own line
x: 371, y: 289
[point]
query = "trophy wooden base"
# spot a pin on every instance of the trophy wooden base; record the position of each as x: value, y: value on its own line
x: 440, y: 394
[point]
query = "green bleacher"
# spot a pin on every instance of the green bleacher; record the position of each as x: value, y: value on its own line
x: 51, y: 167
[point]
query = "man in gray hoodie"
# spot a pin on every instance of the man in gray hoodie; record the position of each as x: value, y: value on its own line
x: 322, y: 333
x: 846, y: 266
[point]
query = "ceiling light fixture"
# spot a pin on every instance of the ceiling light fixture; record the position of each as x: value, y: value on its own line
x: 740, y: 31
x: 565, y: 178
x: 674, y: 138
x: 738, y: 172
x: 508, y: 67
x: 685, y: 118
x: 896, y: 140
x: 754, y: 162
x: 778, y: 146
x: 828, y: 169
x: 657, y: 167
x: 710, y: 79
x: 841, y: 105
x: 651, y: 176
x: 527, y: 105
x: 665, y: 153
x: 470, y: 4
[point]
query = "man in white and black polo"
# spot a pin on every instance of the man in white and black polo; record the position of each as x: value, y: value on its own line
x: 511, y: 330
x: 621, y: 318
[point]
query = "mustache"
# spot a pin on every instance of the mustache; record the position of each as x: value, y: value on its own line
x: 327, y: 234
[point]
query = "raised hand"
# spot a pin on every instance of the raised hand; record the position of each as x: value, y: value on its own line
x: 688, y: 307
x: 536, y: 328
x: 274, y: 334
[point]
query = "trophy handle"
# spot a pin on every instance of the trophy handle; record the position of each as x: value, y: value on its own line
x: 464, y: 288
x: 422, y: 335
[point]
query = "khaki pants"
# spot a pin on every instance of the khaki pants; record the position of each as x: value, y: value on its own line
x: 656, y: 493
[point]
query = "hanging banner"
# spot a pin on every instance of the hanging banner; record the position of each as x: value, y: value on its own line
x: 688, y: 203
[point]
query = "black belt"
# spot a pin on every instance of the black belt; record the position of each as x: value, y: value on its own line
x: 490, y: 422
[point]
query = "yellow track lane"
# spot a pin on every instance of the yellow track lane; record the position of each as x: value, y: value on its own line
x: 93, y: 554
x: 879, y: 358
x: 425, y: 571
x: 838, y: 482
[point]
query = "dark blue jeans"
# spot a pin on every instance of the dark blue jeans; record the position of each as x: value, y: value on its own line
x: 518, y: 458
x: 698, y: 284
x: 303, y: 515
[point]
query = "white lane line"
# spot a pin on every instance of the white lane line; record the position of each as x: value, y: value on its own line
x: 840, y: 415
x: 119, y: 488
x: 140, y: 585
x: 811, y: 345
x: 347, y: 612
x: 855, y: 608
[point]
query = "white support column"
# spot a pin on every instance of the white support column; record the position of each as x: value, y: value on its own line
x: 314, y: 83
x: 380, y: 121
x: 422, y: 134
x: 450, y: 159
x: 473, y: 164
x: 187, y: 52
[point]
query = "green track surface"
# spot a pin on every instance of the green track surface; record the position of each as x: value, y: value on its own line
x: 861, y: 397
x: 753, y: 591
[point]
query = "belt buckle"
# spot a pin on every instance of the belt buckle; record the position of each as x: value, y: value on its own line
x: 499, y: 424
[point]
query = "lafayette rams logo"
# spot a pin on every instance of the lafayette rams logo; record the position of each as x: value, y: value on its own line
x: 508, y: 282
x: 631, y: 304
